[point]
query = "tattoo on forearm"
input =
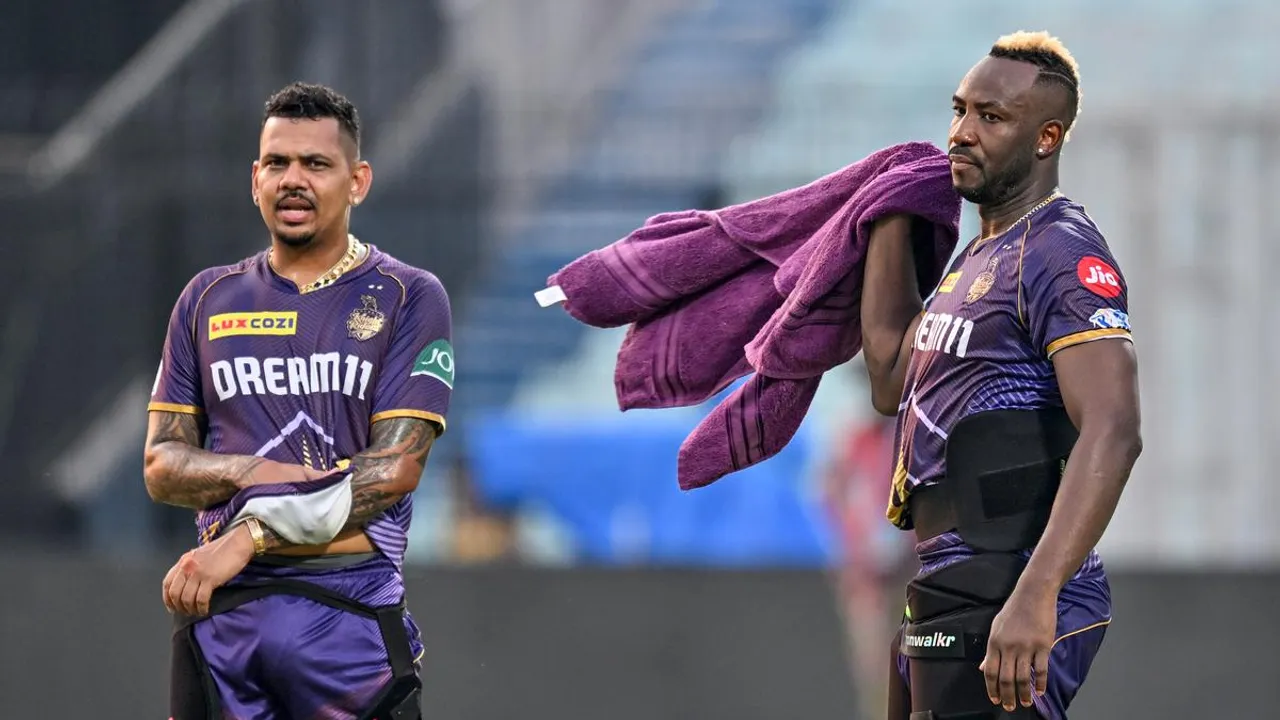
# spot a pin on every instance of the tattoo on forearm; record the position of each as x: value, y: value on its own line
x: 375, y: 480
x: 196, y: 478
x: 177, y: 427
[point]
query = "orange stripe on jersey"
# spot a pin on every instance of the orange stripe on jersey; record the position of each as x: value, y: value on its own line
x: 1087, y: 336
x: 174, y: 408
x: 1086, y: 628
x: 419, y: 414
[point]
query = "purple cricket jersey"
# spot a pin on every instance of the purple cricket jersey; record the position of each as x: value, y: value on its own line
x: 989, y: 333
x: 986, y: 342
x: 301, y: 378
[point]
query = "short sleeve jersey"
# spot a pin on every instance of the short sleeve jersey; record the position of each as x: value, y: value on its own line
x: 989, y: 333
x: 301, y: 377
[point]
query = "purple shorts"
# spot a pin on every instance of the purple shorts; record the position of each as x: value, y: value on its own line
x: 287, y: 656
x: 1084, y: 613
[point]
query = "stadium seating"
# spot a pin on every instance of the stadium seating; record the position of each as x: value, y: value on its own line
x: 700, y: 81
x: 609, y: 480
x: 883, y: 72
x: 59, y: 52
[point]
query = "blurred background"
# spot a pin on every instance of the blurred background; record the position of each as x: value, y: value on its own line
x: 556, y: 569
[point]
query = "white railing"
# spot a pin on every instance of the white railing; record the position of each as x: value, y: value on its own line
x: 127, y: 89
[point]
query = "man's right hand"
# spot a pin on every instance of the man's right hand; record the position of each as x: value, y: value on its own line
x: 190, y: 583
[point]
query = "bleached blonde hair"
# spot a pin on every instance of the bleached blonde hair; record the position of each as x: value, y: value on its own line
x: 1052, y: 57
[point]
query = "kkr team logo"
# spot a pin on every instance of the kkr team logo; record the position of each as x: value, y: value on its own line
x: 253, y: 323
x: 984, y: 282
x: 435, y: 360
x: 365, y: 321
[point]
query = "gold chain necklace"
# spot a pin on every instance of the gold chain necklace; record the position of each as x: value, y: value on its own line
x: 1039, y: 206
x: 344, y: 264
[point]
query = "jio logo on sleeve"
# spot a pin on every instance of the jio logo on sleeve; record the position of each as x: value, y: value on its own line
x: 1098, y: 277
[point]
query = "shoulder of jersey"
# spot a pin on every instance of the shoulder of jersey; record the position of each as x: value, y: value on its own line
x: 1069, y: 223
x: 203, y: 279
x: 414, y: 279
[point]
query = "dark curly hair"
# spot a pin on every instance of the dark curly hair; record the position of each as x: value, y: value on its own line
x: 307, y: 101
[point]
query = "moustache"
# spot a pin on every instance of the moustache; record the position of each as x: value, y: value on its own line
x: 963, y: 153
x: 296, y: 196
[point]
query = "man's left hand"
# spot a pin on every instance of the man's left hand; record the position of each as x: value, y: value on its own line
x: 1021, y: 639
x: 191, y: 581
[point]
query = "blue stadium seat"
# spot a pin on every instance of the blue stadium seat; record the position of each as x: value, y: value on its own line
x: 611, y: 481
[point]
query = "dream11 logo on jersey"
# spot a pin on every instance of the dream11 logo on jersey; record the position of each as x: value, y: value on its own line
x: 1098, y: 277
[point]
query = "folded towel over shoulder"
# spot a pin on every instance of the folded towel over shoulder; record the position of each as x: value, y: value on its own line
x: 770, y: 287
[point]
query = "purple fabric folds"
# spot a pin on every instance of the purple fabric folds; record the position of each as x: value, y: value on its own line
x: 770, y: 287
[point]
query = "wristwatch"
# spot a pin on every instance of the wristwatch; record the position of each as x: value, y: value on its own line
x: 259, y: 538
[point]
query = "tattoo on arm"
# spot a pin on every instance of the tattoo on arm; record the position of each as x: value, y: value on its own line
x: 181, y: 472
x: 384, y: 473
x: 399, y: 446
x: 177, y: 427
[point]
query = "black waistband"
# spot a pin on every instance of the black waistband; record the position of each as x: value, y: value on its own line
x: 1000, y: 512
x: 1003, y: 468
x: 390, y: 618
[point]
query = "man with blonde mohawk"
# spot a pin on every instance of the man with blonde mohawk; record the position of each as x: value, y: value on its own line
x: 1015, y: 387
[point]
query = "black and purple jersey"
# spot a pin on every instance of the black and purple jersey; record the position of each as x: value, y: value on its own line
x: 301, y: 377
x: 989, y: 333
x: 986, y: 342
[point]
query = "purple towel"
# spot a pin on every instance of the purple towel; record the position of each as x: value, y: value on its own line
x: 771, y: 286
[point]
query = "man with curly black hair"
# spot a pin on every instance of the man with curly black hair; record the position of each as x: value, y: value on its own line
x: 299, y: 394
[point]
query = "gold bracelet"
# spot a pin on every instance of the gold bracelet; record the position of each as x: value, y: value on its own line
x: 259, y: 538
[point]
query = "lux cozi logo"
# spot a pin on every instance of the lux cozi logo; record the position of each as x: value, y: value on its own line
x: 253, y: 323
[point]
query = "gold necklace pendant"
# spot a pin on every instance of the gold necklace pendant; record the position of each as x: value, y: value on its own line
x: 344, y: 264
x: 348, y: 260
x: 1039, y: 206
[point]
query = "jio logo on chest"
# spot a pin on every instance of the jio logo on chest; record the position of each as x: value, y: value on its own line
x: 1098, y: 277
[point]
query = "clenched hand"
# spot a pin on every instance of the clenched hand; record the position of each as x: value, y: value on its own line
x: 192, y: 580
